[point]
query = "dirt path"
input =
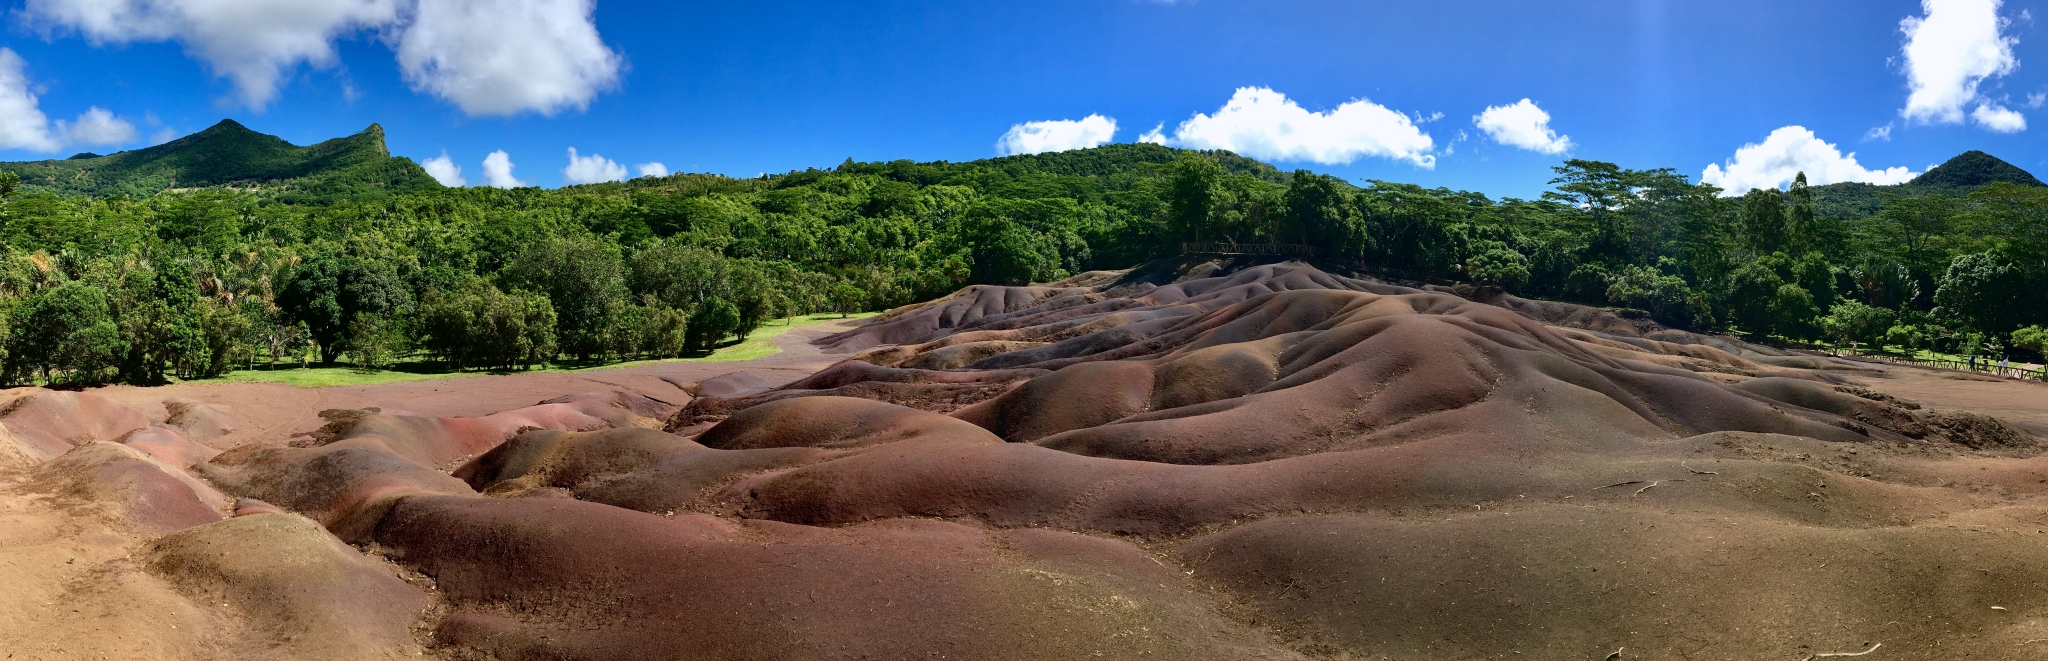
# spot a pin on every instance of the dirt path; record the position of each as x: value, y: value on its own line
x: 2021, y: 402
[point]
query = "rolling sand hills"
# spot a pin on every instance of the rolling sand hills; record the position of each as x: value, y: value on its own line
x: 1197, y: 460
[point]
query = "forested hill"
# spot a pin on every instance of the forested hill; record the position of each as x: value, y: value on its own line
x: 229, y: 154
x: 198, y: 256
x: 1956, y: 178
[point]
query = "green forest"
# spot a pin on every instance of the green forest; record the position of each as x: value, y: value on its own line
x: 232, y: 250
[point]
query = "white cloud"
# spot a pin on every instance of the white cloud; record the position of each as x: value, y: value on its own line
x: 652, y: 169
x: 1056, y: 135
x: 1879, y: 133
x: 1261, y: 123
x: 1999, y: 118
x: 498, y: 171
x: 444, y: 170
x: 1786, y: 153
x: 591, y: 169
x: 22, y: 123
x: 501, y: 57
x: 2036, y: 99
x: 166, y: 134
x: 1156, y: 136
x: 1522, y: 124
x: 254, y: 43
x: 97, y: 128
x: 488, y: 57
x: 1949, y: 52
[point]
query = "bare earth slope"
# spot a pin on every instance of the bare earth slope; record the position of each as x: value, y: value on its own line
x: 1183, y: 461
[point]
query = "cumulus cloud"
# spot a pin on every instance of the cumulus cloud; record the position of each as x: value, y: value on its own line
x: 498, y: 171
x: 254, y: 43
x: 1156, y: 136
x: 1261, y: 123
x: 444, y: 170
x: 488, y: 57
x: 1786, y: 153
x: 1999, y: 118
x: 655, y: 169
x: 22, y: 123
x: 163, y: 135
x: 591, y: 169
x: 1879, y: 133
x: 1056, y: 135
x: 500, y: 57
x: 97, y: 128
x: 1949, y: 52
x: 1522, y: 124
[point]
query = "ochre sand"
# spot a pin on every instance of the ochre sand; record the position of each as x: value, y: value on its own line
x: 1183, y: 461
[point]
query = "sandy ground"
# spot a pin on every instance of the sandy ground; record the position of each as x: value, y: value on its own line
x: 1531, y: 517
x: 70, y: 583
x: 2017, y: 401
x: 270, y: 411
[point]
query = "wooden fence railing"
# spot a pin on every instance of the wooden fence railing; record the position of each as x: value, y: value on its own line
x: 1249, y: 249
x: 2020, y: 371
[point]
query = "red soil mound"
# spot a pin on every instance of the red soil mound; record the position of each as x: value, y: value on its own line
x: 1184, y: 461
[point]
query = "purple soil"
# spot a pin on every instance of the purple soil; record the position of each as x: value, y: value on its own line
x: 1186, y: 461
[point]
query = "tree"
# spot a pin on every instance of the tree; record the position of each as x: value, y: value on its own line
x: 1854, y: 322
x: 1498, y: 265
x: 475, y: 325
x: 713, y: 321
x: 847, y: 299
x: 328, y: 293
x: 157, y: 312
x: 1666, y: 297
x: 583, y: 277
x: 222, y: 330
x: 1318, y: 212
x: 1802, y: 231
x: 66, y: 330
x: 1982, y: 292
x: 1193, y: 192
x: 1763, y: 220
x: 1914, y: 231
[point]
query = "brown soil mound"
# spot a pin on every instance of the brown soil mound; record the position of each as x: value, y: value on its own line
x: 303, y: 592
x: 1205, y: 460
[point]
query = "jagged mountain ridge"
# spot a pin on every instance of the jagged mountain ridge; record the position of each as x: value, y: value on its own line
x: 230, y: 154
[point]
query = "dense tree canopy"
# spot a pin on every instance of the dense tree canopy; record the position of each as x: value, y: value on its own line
x: 193, y: 283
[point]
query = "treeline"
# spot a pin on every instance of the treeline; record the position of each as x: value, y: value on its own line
x: 196, y: 283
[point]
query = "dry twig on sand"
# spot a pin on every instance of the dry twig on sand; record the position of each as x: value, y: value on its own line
x: 1646, y: 488
x: 1696, y: 471
x: 1617, y: 484
x: 1873, y: 648
x: 1615, y: 655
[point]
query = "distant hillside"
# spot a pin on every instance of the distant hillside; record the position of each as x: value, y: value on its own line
x: 1097, y: 163
x: 1956, y: 178
x: 229, y: 154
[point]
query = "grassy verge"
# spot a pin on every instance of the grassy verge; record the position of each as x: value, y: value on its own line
x: 760, y: 344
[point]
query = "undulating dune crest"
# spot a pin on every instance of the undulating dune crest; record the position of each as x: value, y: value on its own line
x: 1182, y: 461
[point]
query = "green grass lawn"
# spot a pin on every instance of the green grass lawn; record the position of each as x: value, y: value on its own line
x: 760, y: 344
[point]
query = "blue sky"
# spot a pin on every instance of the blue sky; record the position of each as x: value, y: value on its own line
x: 1381, y: 90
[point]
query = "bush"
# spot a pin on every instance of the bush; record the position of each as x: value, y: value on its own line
x: 712, y: 322
x: 1498, y: 265
x: 65, y: 332
x: 1853, y: 322
x: 479, y: 326
x: 1666, y: 297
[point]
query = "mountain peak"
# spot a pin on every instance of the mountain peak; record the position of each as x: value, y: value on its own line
x: 1974, y: 168
x: 230, y: 154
